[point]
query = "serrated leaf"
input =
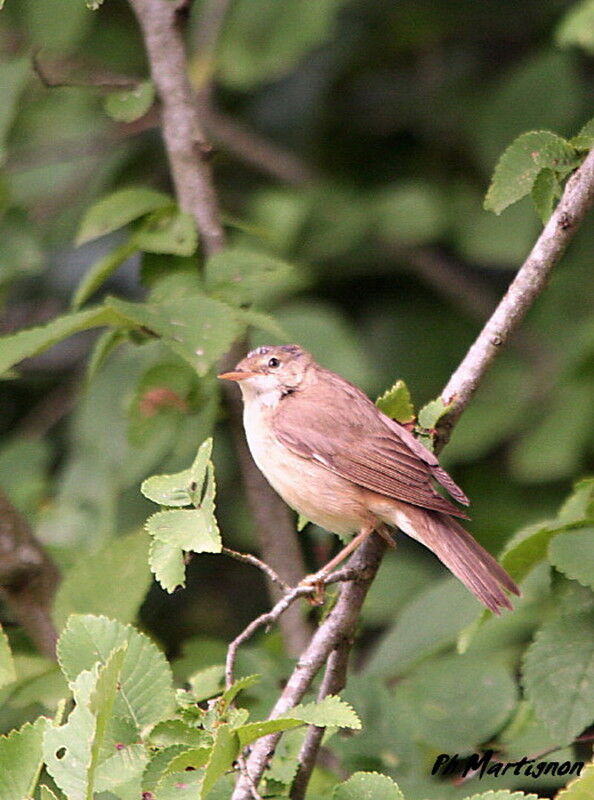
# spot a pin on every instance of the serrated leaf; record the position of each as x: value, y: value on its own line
x: 7, y: 670
x: 558, y: 674
x: 502, y: 794
x: 579, y: 504
x: 31, y: 341
x: 167, y: 564
x: 100, y: 272
x: 367, y: 786
x: 545, y: 190
x: 193, y: 758
x: 519, y: 165
x: 432, y: 412
x: 191, y: 529
x: 168, y: 230
x: 20, y: 760
x: 130, y: 104
x: 118, y: 209
x: 251, y: 731
x: 123, y: 767
x: 176, y: 731
x: 198, y: 328
x: 182, y: 488
x: 572, y: 553
x: 146, y: 692
x: 45, y: 793
x: 239, y: 276
x: 584, y: 140
x: 225, y: 750
x: 157, y: 766
x: 207, y: 682
x: 165, y: 395
x: 180, y: 786
x: 528, y: 548
x: 331, y: 712
x: 238, y: 686
x: 581, y: 788
x: 88, y: 586
x: 396, y: 403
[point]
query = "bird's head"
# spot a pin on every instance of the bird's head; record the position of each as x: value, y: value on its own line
x: 271, y: 371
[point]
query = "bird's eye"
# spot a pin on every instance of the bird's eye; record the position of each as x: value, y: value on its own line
x: 273, y: 362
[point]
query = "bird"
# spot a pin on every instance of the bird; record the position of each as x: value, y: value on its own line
x: 335, y: 458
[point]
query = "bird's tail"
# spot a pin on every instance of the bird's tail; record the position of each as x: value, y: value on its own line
x: 459, y: 551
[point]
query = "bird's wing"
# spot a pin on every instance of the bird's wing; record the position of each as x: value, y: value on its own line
x: 344, y: 432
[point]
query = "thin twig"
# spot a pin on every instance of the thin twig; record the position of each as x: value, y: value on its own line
x: 529, y: 282
x: 531, y: 279
x: 270, y: 617
x: 28, y: 578
x: 247, y: 558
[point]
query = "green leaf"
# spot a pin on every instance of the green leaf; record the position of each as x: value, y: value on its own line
x: 7, y: 670
x: 558, y: 674
x: 146, y: 693
x: 410, y: 214
x: 102, y: 699
x: 100, y: 272
x: 331, y: 712
x: 157, y: 766
x: 180, y: 786
x: 459, y: 701
x: 175, y: 731
x: 30, y: 342
x: 240, y: 276
x: 198, y: 328
x: 191, y: 529
x: 502, y: 794
x: 168, y: 230
x: 580, y: 504
x: 581, y: 788
x: 183, y: 488
x: 545, y: 190
x: 367, y: 786
x: 118, y: 209
x: 430, y: 622
x: 45, y: 793
x: 431, y: 413
x: 122, y: 772
x: 88, y: 586
x: 572, y: 553
x: 577, y: 27
x: 238, y: 686
x: 225, y: 750
x: 20, y: 251
x: 528, y: 548
x: 206, y: 682
x: 519, y: 165
x: 167, y: 564
x: 130, y: 104
x: 261, y: 42
x: 255, y: 730
x: 14, y: 75
x: 584, y: 140
x: 396, y: 403
x: 20, y: 760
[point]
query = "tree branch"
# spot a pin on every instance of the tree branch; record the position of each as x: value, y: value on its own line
x: 529, y: 282
x: 28, y: 578
x: 188, y: 153
x: 340, y: 623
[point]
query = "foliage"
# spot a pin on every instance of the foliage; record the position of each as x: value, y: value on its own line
x: 383, y: 263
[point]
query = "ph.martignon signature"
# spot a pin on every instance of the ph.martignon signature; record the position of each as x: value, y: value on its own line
x: 485, y: 765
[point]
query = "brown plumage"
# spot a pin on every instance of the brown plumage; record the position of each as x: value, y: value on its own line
x: 333, y: 456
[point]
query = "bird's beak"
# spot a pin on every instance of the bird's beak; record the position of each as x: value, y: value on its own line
x: 238, y: 375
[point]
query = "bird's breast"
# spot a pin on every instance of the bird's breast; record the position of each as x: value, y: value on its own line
x: 314, y: 491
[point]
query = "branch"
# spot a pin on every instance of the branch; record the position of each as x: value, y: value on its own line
x: 340, y: 623
x: 187, y: 149
x: 28, y: 578
x: 334, y: 682
x: 188, y: 154
x: 529, y: 282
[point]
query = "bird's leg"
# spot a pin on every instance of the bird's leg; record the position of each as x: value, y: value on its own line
x: 363, y: 534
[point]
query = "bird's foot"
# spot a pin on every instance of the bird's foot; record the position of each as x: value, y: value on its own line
x: 317, y: 582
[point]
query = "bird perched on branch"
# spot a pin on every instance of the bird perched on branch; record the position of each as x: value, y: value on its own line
x: 335, y: 458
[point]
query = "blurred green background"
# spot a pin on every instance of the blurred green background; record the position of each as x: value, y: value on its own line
x: 389, y: 117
